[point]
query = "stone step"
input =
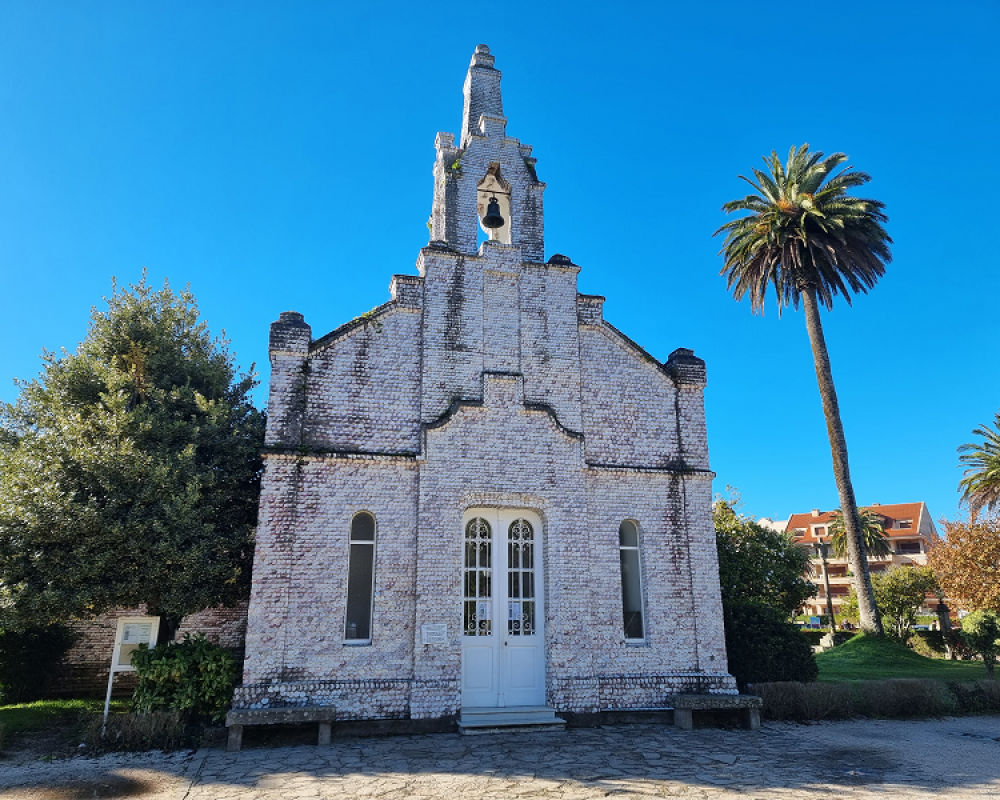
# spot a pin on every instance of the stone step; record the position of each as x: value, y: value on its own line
x: 515, y: 718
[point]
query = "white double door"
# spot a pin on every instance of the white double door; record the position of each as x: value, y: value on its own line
x: 503, y: 653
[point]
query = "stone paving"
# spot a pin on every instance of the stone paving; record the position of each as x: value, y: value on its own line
x: 949, y: 758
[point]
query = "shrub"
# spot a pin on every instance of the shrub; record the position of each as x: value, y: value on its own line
x: 904, y: 697
x: 29, y: 660
x: 896, y: 697
x: 158, y: 730
x: 977, y: 695
x: 814, y: 637
x: 805, y: 701
x: 763, y: 646
x: 193, y: 677
x: 981, y: 632
x: 930, y: 644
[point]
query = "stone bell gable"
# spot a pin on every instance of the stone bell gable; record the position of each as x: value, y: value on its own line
x: 481, y: 493
x: 487, y: 163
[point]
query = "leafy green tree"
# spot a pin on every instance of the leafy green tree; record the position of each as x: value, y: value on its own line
x: 872, y: 533
x: 981, y: 632
x: 804, y: 236
x: 759, y: 564
x: 981, y: 485
x: 900, y: 592
x: 130, y: 470
x: 761, y: 577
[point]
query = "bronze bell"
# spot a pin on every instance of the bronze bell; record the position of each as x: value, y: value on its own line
x: 493, y: 218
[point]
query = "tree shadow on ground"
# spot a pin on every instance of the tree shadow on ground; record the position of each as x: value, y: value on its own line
x: 105, y: 785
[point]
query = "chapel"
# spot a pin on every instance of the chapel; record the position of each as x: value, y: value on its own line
x: 481, y: 494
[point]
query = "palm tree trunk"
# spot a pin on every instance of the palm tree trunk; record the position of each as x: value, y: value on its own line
x: 871, y: 621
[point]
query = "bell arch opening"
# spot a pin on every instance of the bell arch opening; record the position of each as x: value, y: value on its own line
x: 493, y: 205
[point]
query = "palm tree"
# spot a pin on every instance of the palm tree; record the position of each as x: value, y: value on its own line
x: 981, y: 485
x: 872, y: 532
x: 809, y: 240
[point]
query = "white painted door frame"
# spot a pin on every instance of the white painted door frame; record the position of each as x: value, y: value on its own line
x: 503, y: 607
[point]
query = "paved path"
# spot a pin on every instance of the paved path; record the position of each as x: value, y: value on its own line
x: 950, y: 758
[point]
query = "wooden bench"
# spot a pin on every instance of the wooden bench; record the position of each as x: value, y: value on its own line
x: 747, y: 705
x: 238, y: 718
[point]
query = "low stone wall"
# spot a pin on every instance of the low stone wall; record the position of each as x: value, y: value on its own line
x: 626, y: 692
x: 406, y: 698
x: 354, y: 700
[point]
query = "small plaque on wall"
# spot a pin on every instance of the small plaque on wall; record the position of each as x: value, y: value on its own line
x: 434, y: 634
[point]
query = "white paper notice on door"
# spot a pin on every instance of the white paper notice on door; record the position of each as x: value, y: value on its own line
x: 514, y: 609
x: 484, y: 609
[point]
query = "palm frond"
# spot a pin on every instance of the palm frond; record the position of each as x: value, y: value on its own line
x: 803, y: 230
x: 980, y: 485
x: 872, y: 532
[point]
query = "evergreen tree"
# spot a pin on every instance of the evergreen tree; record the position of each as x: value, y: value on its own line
x: 129, y: 470
x: 761, y: 576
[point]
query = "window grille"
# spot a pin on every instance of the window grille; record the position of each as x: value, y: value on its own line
x: 478, y: 578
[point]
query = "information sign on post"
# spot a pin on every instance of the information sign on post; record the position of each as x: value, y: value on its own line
x: 132, y: 631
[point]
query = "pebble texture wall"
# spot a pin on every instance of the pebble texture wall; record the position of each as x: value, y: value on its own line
x: 486, y: 381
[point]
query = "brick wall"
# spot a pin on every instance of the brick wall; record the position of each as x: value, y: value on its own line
x: 84, y: 668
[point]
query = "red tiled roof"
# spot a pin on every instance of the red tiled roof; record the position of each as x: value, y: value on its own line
x: 893, y: 511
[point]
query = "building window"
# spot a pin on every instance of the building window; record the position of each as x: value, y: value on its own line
x: 628, y: 549
x: 520, y: 579
x: 360, y: 578
x: 478, y: 578
x: 905, y: 523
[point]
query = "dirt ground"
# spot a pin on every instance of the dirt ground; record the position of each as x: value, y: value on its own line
x: 51, y: 765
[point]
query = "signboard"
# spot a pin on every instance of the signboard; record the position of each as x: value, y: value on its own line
x: 132, y: 631
x: 434, y: 634
x: 132, y: 635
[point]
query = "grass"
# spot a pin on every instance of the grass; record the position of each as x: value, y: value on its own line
x: 868, y: 658
x: 21, y: 718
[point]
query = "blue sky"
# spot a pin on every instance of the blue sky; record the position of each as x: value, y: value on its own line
x: 278, y: 156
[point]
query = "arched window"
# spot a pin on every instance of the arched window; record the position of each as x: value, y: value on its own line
x: 628, y: 549
x: 360, y: 578
x: 478, y: 578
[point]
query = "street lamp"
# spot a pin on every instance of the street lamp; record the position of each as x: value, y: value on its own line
x: 821, y: 551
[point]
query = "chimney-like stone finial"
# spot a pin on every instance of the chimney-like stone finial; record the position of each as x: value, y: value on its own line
x: 482, y: 93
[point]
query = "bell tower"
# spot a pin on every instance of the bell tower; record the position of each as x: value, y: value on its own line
x: 487, y: 166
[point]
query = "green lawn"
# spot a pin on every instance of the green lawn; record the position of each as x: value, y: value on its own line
x: 868, y: 658
x: 27, y: 717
